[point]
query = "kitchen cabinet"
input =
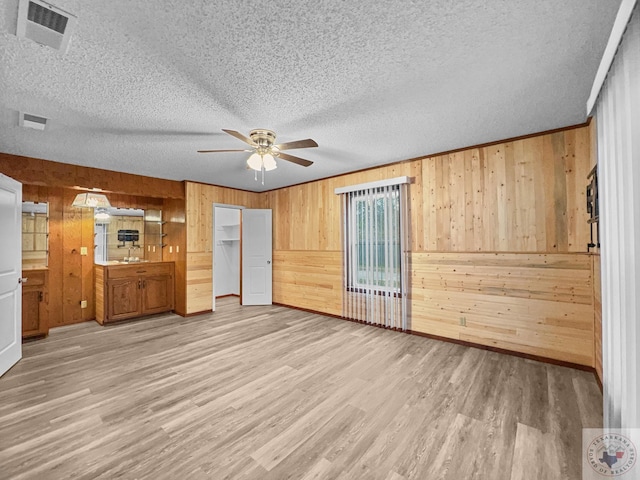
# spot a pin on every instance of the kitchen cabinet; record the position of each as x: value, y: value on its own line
x: 34, y: 303
x: 125, y: 291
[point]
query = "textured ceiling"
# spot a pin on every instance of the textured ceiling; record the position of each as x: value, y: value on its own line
x: 146, y: 83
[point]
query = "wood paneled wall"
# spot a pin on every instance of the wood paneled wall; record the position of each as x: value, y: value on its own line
x: 174, y: 214
x: 71, y: 275
x: 539, y: 304
x: 597, y: 310
x: 199, y: 238
x: 512, y: 213
x: 521, y: 196
x: 308, y: 278
x: 597, y: 286
x: 35, y: 171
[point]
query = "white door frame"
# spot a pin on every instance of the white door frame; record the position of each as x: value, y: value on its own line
x: 213, y: 250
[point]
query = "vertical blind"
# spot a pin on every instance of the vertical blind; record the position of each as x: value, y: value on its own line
x: 618, y: 123
x: 375, y: 254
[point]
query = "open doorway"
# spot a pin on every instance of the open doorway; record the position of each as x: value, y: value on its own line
x: 226, y: 251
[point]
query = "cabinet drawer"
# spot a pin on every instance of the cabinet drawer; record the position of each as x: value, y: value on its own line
x: 34, y: 277
x: 125, y: 271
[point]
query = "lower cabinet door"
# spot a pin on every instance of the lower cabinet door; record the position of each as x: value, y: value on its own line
x: 157, y: 294
x: 124, y: 298
x: 31, y: 318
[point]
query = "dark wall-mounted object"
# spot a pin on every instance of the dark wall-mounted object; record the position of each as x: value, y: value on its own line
x: 128, y: 235
x: 592, y: 207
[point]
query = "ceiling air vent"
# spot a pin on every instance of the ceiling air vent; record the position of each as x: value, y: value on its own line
x: 45, y: 24
x: 32, y: 121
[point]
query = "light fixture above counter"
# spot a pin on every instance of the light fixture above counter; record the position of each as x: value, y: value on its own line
x: 91, y: 200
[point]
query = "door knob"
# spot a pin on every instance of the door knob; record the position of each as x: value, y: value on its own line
x: 268, y: 262
x: 23, y: 280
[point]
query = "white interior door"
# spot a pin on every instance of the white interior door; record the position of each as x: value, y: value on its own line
x: 256, y: 257
x: 10, y: 273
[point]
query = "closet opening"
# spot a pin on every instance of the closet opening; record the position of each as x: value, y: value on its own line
x: 226, y: 251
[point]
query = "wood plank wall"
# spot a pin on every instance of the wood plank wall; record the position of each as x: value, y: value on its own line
x: 597, y: 304
x: 489, y: 208
x: 539, y: 304
x: 199, y: 238
x: 35, y: 171
x: 71, y: 275
x: 597, y: 286
x: 174, y: 214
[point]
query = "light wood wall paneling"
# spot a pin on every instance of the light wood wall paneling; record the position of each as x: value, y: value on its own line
x: 539, y: 304
x: 36, y: 171
x: 597, y: 280
x: 306, y: 279
x: 199, y: 282
x: 525, y: 195
x: 520, y: 196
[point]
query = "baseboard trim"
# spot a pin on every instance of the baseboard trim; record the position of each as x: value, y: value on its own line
x: 465, y: 343
x: 528, y: 356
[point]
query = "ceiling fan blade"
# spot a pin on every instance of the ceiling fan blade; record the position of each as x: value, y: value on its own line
x: 308, y: 143
x: 291, y: 158
x: 216, y: 151
x: 240, y: 136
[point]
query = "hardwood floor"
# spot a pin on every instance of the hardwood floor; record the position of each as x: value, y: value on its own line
x: 273, y: 393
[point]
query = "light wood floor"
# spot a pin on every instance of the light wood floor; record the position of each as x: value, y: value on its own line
x: 272, y: 393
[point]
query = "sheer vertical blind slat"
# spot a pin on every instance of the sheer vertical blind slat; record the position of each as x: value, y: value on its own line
x: 617, y: 108
x: 375, y: 249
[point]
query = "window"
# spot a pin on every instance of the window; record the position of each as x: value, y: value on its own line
x: 374, y: 240
x: 375, y: 246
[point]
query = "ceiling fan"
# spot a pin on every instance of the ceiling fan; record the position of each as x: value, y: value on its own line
x: 265, y: 151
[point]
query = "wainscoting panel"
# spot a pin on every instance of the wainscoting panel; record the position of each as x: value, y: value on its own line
x: 308, y: 279
x: 538, y: 304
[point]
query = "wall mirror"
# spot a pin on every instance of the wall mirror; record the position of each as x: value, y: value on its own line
x: 35, y: 235
x: 127, y: 235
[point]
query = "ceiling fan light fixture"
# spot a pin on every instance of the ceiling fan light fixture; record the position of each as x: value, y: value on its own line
x: 269, y: 162
x: 255, y: 162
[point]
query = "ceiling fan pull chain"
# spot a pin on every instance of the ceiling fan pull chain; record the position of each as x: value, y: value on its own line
x: 263, y: 174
